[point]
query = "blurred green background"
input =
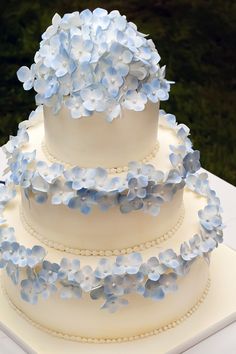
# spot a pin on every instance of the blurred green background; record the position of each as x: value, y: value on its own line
x: 195, y: 38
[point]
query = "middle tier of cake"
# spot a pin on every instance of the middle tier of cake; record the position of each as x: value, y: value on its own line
x: 99, y: 232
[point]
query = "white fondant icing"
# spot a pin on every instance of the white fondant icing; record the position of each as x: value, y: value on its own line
x: 92, y: 141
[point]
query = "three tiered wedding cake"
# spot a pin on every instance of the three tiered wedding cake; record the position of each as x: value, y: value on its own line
x: 106, y: 223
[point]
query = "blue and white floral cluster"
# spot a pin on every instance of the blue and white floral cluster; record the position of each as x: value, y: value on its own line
x: 112, y: 280
x: 143, y: 187
x: 95, y: 62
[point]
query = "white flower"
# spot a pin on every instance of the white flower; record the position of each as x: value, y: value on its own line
x: 135, y: 101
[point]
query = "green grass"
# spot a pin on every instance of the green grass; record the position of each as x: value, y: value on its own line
x: 196, y: 40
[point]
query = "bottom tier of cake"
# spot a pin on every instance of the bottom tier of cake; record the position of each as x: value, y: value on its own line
x: 82, y: 319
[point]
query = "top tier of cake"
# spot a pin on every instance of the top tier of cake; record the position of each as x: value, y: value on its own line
x: 100, y: 83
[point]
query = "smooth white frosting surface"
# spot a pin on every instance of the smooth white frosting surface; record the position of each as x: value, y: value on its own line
x: 92, y: 141
x: 83, y: 317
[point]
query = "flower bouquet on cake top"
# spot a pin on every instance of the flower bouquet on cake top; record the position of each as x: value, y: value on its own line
x: 104, y: 215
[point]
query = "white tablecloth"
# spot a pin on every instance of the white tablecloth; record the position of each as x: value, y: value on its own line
x: 224, y: 341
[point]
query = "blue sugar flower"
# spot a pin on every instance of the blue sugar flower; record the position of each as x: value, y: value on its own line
x: 8, y: 249
x: 100, y: 18
x: 52, y: 87
x: 7, y: 234
x: 113, y: 303
x: 217, y: 235
x: 62, y: 196
x: 167, y: 119
x: 35, y: 256
x: 39, y: 184
x: 47, y: 289
x: 137, y: 188
x: 134, y: 100
x: 81, y: 48
x: 152, y: 205
x: 191, y: 162
x: 20, y: 257
x: 186, y: 252
x: 210, y: 217
x: 133, y: 283
x: 70, y: 290
x: 69, y: 269
x: 63, y: 64
x: 112, y: 81
x: 120, y: 57
x: 52, y: 30
x: 183, y: 132
x: 197, y: 245
x: 79, y: 178
x: 153, y: 290
x: 114, y: 285
x: 127, y: 205
x: 82, y: 77
x: 105, y: 200
x: 65, y: 86
x: 83, y: 201
x: 25, y: 179
x: 153, y: 90
x: 13, y: 272
x: 177, y: 162
x: 169, y: 258
x: 113, y: 110
x: 97, y: 293
x: 198, y: 183
x: 49, y: 173
x: 49, y: 51
x: 184, y: 266
x: 49, y: 272
x: 93, y: 98
x: 168, y: 282
x: 127, y: 264
x: 174, y: 177
x: 213, y: 199
x: 30, y: 290
x: 163, y: 191
x: 104, y: 268
x: 86, y: 279
x: 26, y: 76
x: 209, y: 243
x: 153, y: 269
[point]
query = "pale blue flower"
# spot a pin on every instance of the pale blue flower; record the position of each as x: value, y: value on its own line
x: 168, y: 282
x: 35, y: 256
x: 113, y: 303
x: 191, y: 162
x: 49, y: 51
x: 213, y: 199
x: 20, y: 257
x: 114, y: 285
x: 49, y: 272
x: 163, y: 191
x: 30, y: 290
x: 167, y: 119
x: 113, y: 110
x: 81, y: 48
x: 70, y: 290
x: 48, y: 289
x: 121, y: 58
x: 65, y: 86
x: 133, y: 283
x: 134, y: 100
x: 152, y: 205
x: 112, y: 80
x: 104, y: 268
x: 13, y: 272
x: 153, y: 90
x: 51, y: 87
x: 39, y: 184
x: 169, y: 258
x: 69, y: 269
x: 93, y: 98
x: 186, y: 252
x: 26, y: 76
x: 153, y: 269
x: 75, y: 105
x: 197, y: 245
x: 217, y: 235
x: 173, y: 177
x: 63, y: 64
x: 183, y: 267
x: 49, y: 173
x: 86, y: 279
x: 209, y: 243
x: 105, y: 200
x: 97, y: 293
x: 82, y: 77
x: 198, y: 183
x: 52, y: 30
x: 153, y: 290
x: 129, y: 264
x: 137, y: 187
x: 25, y: 179
x: 40, y: 198
x: 100, y: 18
x: 210, y: 217
x: 83, y: 201
x: 7, y: 192
x: 127, y: 205
x: 7, y: 234
x: 62, y: 196
x: 177, y: 162
x: 8, y: 249
x: 183, y: 131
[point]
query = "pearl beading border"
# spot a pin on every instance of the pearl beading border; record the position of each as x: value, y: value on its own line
x: 111, y: 170
x: 86, y: 252
x: 74, y: 338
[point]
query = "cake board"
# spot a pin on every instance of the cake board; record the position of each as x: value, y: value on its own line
x: 217, y: 311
